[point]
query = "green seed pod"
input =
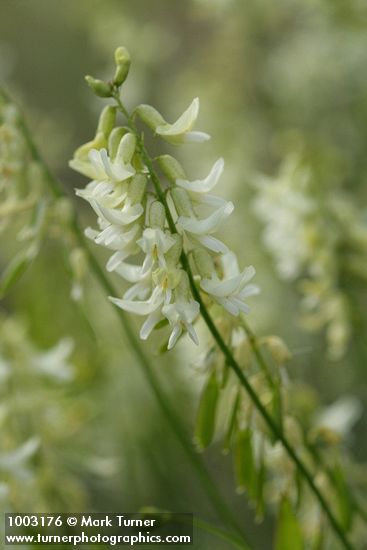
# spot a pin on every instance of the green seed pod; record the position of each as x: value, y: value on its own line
x: 205, y: 422
x: 288, y: 534
x: 157, y: 215
x: 114, y: 140
x: 171, y: 168
x: 245, y: 470
x: 182, y: 202
x: 99, y: 87
x: 203, y: 262
x: 107, y: 120
x: 122, y: 60
x: 137, y: 188
x: 150, y: 116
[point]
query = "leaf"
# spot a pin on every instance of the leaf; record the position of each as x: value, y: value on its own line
x: 260, y: 501
x: 288, y: 534
x: 205, y: 422
x: 16, y: 268
x: 245, y: 469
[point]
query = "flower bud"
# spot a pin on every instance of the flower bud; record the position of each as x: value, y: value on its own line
x: 157, y: 215
x: 150, y: 116
x: 182, y: 202
x: 171, y: 168
x: 137, y: 188
x: 106, y: 120
x: 99, y: 87
x: 122, y: 60
x: 114, y: 140
x: 277, y: 348
x: 203, y: 262
x: 174, y: 253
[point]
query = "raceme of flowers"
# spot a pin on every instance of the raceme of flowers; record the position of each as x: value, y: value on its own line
x: 132, y: 223
x: 314, y: 238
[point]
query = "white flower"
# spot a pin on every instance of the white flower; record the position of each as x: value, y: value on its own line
x: 55, y: 361
x: 233, y: 288
x: 341, y: 415
x: 155, y: 243
x: 181, y: 315
x: 15, y: 461
x: 198, y: 189
x: 180, y: 131
x: 200, y: 229
x: 100, y: 167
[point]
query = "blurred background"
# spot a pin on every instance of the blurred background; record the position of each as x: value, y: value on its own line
x: 283, y: 92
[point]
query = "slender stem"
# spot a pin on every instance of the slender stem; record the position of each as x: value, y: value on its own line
x: 168, y: 411
x: 303, y: 469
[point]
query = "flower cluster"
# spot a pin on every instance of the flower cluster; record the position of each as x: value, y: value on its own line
x: 316, y: 238
x: 157, y: 223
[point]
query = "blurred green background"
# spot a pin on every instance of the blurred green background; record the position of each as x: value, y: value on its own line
x: 274, y: 79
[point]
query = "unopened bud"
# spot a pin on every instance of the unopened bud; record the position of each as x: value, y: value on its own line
x: 122, y: 60
x: 99, y: 87
x: 150, y: 116
x: 114, y: 140
x: 157, y: 215
x: 137, y: 188
x: 277, y: 348
x: 174, y: 253
x: 107, y: 120
x: 182, y: 202
x: 171, y: 168
x: 203, y: 262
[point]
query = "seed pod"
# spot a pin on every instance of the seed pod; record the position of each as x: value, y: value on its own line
x: 245, y: 470
x: 205, y: 422
x: 288, y: 534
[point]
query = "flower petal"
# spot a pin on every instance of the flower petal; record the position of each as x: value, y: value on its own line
x: 207, y: 184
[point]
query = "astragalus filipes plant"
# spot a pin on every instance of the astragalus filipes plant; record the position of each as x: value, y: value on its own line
x: 152, y: 211
x: 133, y: 222
x: 317, y: 236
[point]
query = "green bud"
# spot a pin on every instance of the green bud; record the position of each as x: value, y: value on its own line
x: 150, y: 116
x: 171, y: 168
x: 122, y: 60
x: 203, y: 262
x: 157, y: 215
x: 246, y: 475
x: 205, y: 422
x: 174, y: 253
x: 99, y: 87
x: 107, y: 120
x: 182, y: 202
x: 137, y: 188
x: 114, y: 140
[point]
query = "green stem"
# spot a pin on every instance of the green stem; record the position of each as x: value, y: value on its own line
x: 303, y: 469
x: 168, y: 411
